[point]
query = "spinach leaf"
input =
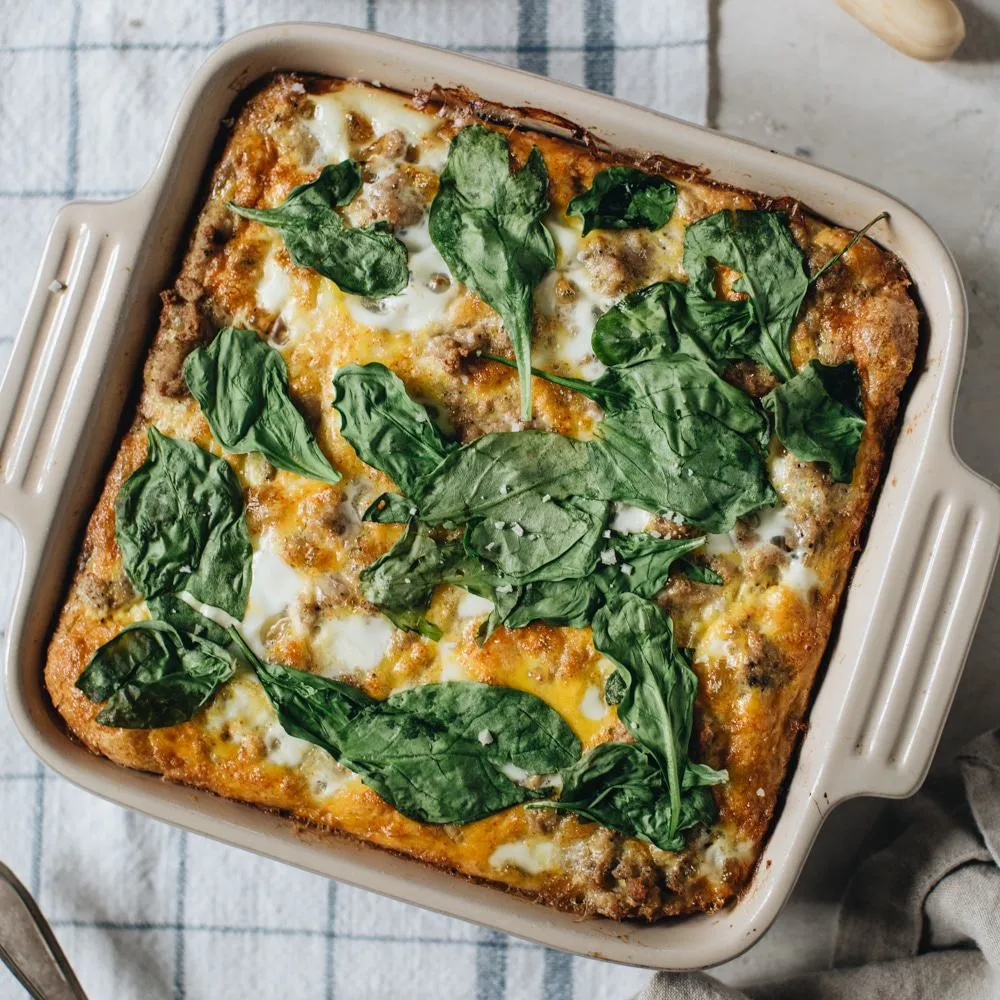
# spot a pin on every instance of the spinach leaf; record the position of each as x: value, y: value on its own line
x: 514, y: 727
x: 570, y: 602
x: 658, y: 703
x: 368, y: 261
x: 642, y: 563
x: 706, y: 438
x: 672, y: 384
x: 436, y: 753
x: 401, y: 583
x: 817, y: 416
x: 495, y: 469
x: 385, y: 427
x: 241, y: 385
x: 389, y: 508
x: 624, y: 198
x: 527, y: 539
x: 309, y: 707
x: 698, y: 573
x: 621, y: 786
x: 151, y: 675
x: 486, y: 223
x: 772, y: 272
x: 174, y: 611
x: 641, y: 566
x: 666, y: 318
x: 179, y: 524
x: 689, y: 464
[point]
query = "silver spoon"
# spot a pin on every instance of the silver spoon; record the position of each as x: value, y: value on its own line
x: 28, y: 946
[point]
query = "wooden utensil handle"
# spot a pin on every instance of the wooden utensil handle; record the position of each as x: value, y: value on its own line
x: 923, y: 29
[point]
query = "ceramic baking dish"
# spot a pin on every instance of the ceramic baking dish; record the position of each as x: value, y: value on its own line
x: 909, y: 615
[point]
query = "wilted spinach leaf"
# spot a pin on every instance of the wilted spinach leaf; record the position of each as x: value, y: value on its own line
x: 495, y: 469
x: 625, y: 198
x: 152, y: 675
x: 621, y: 786
x: 698, y: 573
x: 515, y: 727
x: 666, y: 318
x: 772, y: 272
x: 527, y: 539
x: 241, y: 385
x: 556, y: 602
x: 309, y: 706
x: 385, y: 427
x: 658, y: 703
x: 437, y: 752
x: 389, y: 508
x: 175, y: 611
x: 690, y: 464
x: 368, y: 261
x: 486, y: 223
x: 642, y: 563
x: 179, y: 524
x: 817, y: 416
x: 401, y: 583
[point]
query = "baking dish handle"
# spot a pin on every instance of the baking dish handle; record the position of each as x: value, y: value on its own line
x: 59, y: 358
x: 905, y: 676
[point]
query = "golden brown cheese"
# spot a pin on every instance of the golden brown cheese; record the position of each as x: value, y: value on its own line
x: 757, y: 640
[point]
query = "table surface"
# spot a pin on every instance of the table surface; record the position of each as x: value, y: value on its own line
x: 801, y: 77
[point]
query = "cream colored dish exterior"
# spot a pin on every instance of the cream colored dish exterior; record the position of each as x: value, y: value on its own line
x: 909, y: 615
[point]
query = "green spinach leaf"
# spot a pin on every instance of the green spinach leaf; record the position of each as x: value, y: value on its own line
x: 180, y: 526
x: 385, y: 427
x: 569, y: 602
x: 514, y: 727
x: 625, y: 198
x: 772, y: 272
x: 621, y: 786
x: 690, y: 464
x: 642, y: 563
x: 667, y: 318
x: 368, y: 261
x: 436, y: 753
x: 151, y: 675
x: 175, y: 611
x: 528, y: 539
x: 658, y: 703
x: 241, y: 385
x: 698, y: 573
x: 817, y: 416
x: 706, y: 439
x: 309, y: 706
x: 389, y: 508
x: 401, y: 583
x: 495, y: 469
x: 486, y: 223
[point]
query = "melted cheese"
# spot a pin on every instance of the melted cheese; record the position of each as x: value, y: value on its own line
x: 274, y: 588
x: 351, y: 643
x: 531, y: 856
x: 577, y: 309
x: 382, y: 109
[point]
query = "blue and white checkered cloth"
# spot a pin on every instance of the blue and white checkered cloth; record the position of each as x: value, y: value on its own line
x: 87, y: 89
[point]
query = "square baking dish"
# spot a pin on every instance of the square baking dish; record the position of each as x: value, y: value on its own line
x: 907, y: 621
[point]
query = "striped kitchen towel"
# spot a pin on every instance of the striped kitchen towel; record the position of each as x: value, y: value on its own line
x: 87, y: 89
